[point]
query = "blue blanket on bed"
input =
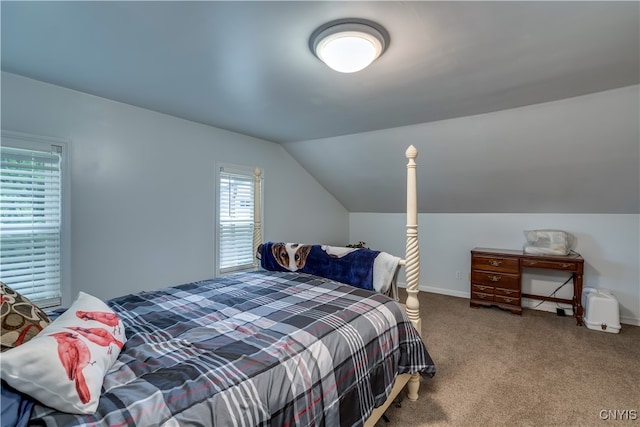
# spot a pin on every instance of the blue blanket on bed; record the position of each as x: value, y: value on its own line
x: 16, y: 407
x: 345, y: 265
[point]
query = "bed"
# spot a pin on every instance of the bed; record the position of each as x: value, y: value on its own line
x: 259, y: 347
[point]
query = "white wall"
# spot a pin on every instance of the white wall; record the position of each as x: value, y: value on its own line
x: 143, y: 188
x: 609, y: 244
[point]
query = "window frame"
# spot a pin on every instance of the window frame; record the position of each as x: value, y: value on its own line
x: 243, y: 170
x: 39, y: 142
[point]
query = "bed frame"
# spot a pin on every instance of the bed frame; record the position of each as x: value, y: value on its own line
x: 412, y: 271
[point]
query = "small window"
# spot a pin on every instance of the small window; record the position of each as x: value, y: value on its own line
x: 235, y: 219
x: 31, y: 191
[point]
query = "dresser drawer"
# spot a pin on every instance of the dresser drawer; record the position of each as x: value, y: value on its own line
x: 507, y: 292
x: 481, y: 296
x: 511, y: 281
x: 481, y: 288
x: 495, y: 263
x: 506, y: 300
x: 555, y: 265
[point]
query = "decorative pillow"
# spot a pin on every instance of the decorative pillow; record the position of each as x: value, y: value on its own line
x: 20, y: 318
x: 64, y: 366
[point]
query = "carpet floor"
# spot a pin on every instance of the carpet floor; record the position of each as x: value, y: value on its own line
x: 539, y: 369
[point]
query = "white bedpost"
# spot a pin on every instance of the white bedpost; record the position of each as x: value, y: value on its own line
x: 257, y: 215
x: 412, y: 258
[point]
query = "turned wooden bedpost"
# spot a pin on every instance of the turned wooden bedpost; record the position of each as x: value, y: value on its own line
x: 412, y: 257
x: 257, y: 215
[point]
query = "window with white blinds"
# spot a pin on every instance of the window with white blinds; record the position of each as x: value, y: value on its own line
x: 235, y: 219
x: 31, y: 221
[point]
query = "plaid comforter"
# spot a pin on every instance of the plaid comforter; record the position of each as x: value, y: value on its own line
x: 254, y: 349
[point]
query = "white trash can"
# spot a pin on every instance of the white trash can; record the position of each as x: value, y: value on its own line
x: 601, y: 309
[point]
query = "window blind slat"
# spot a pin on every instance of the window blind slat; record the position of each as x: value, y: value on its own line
x: 30, y: 222
x: 235, y: 228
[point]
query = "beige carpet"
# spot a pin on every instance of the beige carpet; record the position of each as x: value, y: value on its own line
x: 538, y: 369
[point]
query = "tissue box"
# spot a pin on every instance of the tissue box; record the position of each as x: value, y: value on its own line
x: 602, y: 312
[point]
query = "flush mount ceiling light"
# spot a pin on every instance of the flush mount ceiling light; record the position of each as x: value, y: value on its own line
x: 349, y: 45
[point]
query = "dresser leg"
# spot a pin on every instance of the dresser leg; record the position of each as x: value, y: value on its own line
x: 577, y: 297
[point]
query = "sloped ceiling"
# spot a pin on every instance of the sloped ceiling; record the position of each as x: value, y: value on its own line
x: 577, y: 155
x: 246, y: 67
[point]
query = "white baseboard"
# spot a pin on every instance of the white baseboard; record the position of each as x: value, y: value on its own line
x: 526, y: 302
x: 551, y: 307
x: 443, y: 291
x: 545, y: 305
x: 630, y: 320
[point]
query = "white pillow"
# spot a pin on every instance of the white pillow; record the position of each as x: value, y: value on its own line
x: 64, y: 365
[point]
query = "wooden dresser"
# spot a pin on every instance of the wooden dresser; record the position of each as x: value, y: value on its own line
x: 495, y: 280
x: 496, y: 277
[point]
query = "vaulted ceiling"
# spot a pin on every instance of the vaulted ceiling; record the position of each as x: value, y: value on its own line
x: 247, y: 67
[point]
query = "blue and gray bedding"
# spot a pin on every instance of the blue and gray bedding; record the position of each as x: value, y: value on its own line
x: 254, y: 349
x: 15, y: 407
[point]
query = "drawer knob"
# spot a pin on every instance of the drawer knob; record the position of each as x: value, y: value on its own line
x: 565, y: 265
x: 495, y: 278
x: 495, y: 263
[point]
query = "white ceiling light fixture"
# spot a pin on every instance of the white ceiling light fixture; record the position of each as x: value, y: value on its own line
x: 349, y: 45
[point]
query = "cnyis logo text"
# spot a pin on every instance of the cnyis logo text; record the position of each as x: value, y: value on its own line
x: 618, y: 414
